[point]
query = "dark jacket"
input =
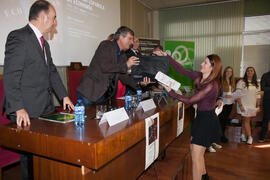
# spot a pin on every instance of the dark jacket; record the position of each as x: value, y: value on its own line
x: 102, y: 69
x: 265, y: 85
x: 27, y: 78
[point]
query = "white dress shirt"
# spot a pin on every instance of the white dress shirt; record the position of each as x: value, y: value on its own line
x: 38, y: 35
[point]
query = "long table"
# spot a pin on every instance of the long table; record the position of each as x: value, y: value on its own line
x: 62, y: 151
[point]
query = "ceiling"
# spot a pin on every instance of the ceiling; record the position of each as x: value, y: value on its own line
x: 162, y: 4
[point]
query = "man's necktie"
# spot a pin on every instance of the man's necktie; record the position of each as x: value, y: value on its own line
x: 42, y: 44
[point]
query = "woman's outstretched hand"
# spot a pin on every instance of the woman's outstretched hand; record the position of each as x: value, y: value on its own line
x: 168, y: 88
x: 160, y: 53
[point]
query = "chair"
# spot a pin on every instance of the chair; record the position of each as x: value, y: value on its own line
x: 6, y: 157
x: 74, y: 73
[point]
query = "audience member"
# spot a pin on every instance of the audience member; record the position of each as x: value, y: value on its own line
x: 250, y: 99
x: 228, y: 84
x: 265, y: 85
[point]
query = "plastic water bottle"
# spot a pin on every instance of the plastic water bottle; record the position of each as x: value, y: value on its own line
x: 128, y: 102
x: 139, y: 96
x: 79, y: 114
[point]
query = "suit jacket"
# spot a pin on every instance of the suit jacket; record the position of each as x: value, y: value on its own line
x: 130, y: 53
x: 28, y: 80
x: 102, y: 69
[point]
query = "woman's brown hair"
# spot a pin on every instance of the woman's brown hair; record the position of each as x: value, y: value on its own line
x: 225, y: 83
x: 215, y: 75
x: 110, y: 37
x: 254, y: 78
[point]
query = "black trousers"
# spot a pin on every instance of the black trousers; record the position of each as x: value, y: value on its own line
x: 26, y: 160
x: 224, y: 117
x: 266, y: 117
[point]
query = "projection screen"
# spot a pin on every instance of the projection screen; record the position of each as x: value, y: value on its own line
x: 81, y: 26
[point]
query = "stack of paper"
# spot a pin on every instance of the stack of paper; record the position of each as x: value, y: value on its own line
x: 163, y: 78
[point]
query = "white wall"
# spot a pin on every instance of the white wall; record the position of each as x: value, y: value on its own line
x: 257, y: 56
x: 155, y: 24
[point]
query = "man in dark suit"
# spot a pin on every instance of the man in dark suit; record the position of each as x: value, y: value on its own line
x: 29, y: 73
x: 134, y: 50
x: 265, y: 86
x: 108, y: 64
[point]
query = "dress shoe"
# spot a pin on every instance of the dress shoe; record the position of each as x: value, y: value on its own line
x: 205, y: 177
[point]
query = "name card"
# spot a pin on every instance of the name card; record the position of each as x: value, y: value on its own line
x: 180, y: 119
x: 146, y: 105
x: 114, y: 117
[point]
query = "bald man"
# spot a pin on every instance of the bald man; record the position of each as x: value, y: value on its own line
x: 29, y: 73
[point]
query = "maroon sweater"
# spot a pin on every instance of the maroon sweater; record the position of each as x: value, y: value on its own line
x: 205, y: 97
